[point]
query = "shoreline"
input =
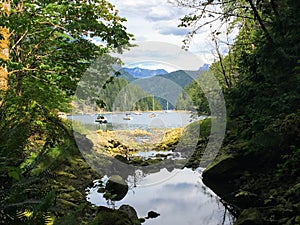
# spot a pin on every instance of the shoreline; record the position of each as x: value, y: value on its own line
x: 132, y: 112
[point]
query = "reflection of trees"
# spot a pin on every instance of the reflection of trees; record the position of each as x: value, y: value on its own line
x: 134, y: 179
x: 228, y: 213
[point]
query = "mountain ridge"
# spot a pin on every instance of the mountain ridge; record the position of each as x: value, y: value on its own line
x: 180, y: 77
x: 138, y: 72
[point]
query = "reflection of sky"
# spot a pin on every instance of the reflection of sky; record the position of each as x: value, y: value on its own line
x: 181, y: 199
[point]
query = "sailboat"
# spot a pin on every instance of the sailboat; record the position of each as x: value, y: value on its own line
x: 167, y: 110
x: 127, y: 115
x: 152, y: 115
x: 138, y: 112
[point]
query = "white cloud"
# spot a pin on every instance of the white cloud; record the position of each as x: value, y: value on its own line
x: 158, y: 20
x: 169, y: 56
x: 164, y: 12
x: 171, y: 28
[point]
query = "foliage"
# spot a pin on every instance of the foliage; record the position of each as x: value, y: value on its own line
x: 193, y: 97
x: 203, y: 94
x: 50, y: 48
x: 265, y: 89
x: 262, y: 102
x: 102, y: 87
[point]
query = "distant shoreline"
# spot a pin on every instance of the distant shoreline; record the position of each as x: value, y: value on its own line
x: 133, y: 112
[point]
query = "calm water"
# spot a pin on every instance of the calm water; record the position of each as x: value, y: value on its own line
x: 179, y: 197
x: 162, y: 119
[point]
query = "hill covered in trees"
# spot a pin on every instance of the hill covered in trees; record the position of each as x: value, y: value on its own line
x: 257, y: 171
x: 179, y: 79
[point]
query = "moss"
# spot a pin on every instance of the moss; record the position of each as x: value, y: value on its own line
x: 69, y: 175
x: 123, y: 216
x: 109, y: 218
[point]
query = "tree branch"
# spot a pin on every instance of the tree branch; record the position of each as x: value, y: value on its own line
x: 20, y: 39
x: 260, y: 21
x: 36, y: 46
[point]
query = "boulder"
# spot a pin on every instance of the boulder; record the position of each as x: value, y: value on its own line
x: 107, y: 216
x: 130, y: 211
x: 116, y: 188
x: 220, y: 177
x: 152, y: 214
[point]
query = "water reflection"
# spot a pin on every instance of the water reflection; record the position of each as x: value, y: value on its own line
x: 179, y: 197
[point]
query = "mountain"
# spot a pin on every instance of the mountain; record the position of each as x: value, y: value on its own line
x: 126, y: 75
x: 204, y: 67
x: 181, y: 77
x: 144, y: 73
x: 167, y: 85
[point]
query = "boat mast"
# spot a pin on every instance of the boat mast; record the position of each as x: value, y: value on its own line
x: 153, y: 103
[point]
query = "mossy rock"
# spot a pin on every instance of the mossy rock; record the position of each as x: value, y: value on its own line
x: 121, y: 158
x: 108, y: 216
x: 221, y: 175
x: 116, y: 187
x: 223, y: 168
x: 131, y: 213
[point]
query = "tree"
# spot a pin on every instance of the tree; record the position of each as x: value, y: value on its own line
x: 224, y: 12
x: 263, y: 105
x: 4, y: 45
x: 267, y: 36
x: 50, y: 46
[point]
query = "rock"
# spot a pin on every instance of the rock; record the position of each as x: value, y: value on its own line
x: 130, y: 211
x: 152, y: 214
x: 101, y: 190
x: 220, y: 177
x: 222, y: 168
x: 116, y: 187
x: 142, y: 220
x: 121, y: 158
x: 107, y: 216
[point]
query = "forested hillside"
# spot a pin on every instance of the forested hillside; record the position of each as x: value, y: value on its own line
x: 177, y: 79
x: 258, y: 169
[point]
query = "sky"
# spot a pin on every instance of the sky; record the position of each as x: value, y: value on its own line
x: 156, y: 22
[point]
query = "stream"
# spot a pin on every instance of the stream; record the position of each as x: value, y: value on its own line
x: 179, y: 195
